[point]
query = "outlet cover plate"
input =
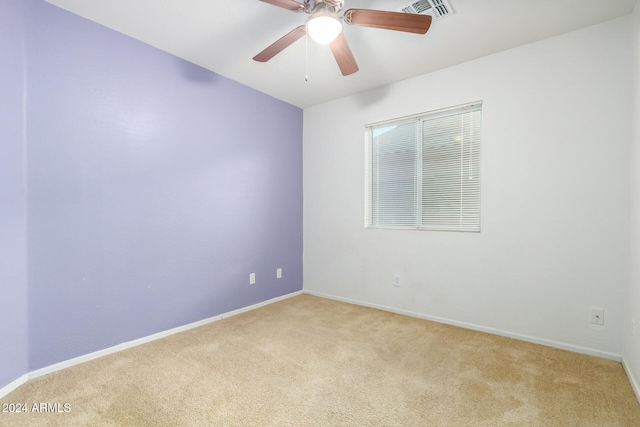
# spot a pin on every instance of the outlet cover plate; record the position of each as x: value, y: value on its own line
x: 597, y: 316
x: 396, y: 280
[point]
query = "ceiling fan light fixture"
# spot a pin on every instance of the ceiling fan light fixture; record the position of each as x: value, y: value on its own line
x: 324, y: 26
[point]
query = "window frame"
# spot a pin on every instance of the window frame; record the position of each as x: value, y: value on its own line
x: 474, y: 195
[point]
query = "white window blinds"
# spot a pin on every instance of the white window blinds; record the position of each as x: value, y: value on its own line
x: 423, y: 172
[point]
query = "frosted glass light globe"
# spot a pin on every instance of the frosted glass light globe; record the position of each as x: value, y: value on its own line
x: 323, y: 28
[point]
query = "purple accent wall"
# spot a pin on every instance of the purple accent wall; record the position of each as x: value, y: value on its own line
x: 13, y: 234
x: 155, y: 188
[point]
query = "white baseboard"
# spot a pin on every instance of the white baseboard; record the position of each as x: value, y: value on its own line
x: 535, y: 340
x: 632, y: 379
x: 91, y: 356
x: 13, y: 385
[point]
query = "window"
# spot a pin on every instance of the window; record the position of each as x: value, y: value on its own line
x: 423, y: 172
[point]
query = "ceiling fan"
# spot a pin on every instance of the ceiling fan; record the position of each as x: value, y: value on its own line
x: 325, y: 27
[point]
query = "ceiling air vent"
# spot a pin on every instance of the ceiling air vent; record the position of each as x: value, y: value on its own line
x: 438, y: 9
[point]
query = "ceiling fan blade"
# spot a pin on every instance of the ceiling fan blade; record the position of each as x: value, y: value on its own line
x: 286, y: 4
x: 281, y: 44
x: 396, y: 21
x: 343, y: 55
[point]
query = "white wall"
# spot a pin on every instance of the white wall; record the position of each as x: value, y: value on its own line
x: 555, y: 193
x: 632, y: 341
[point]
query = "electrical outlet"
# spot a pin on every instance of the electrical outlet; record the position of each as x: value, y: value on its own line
x: 279, y: 273
x: 252, y: 278
x: 396, y: 280
x: 597, y: 316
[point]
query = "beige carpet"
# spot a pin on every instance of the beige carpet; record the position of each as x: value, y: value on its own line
x: 308, y: 361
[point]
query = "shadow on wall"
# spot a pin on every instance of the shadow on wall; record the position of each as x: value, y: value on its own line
x: 372, y: 97
x: 195, y: 73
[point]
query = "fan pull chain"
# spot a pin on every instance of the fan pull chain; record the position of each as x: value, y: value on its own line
x: 306, y: 57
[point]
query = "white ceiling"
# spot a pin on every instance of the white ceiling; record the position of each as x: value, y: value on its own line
x: 223, y: 36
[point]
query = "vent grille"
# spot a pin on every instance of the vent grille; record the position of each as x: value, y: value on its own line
x: 419, y: 6
x: 438, y: 9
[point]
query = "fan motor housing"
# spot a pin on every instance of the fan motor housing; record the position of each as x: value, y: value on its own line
x: 331, y: 5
